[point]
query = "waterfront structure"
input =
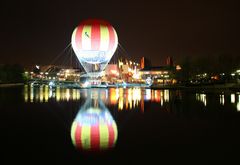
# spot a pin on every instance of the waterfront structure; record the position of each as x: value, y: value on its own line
x: 144, y: 62
x: 159, y: 74
x: 112, y: 72
x: 54, y: 72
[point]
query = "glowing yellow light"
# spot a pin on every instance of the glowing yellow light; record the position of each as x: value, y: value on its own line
x: 136, y: 95
x: 117, y: 93
x: 232, y: 98
x: 157, y: 97
x: 166, y: 95
x: 46, y: 93
x: 58, y: 94
x: 41, y: 94
x: 162, y: 97
x: 67, y: 94
x: 26, y: 93
x: 148, y: 94
x: 31, y: 94
x: 222, y: 101
x: 136, y: 75
x: 178, y: 67
x: 78, y: 95
x: 74, y: 94
x: 120, y: 103
x: 113, y: 96
x: 130, y: 97
x: 238, y: 106
x: 202, y: 98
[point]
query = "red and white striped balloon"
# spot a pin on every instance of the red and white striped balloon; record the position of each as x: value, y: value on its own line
x: 94, y: 41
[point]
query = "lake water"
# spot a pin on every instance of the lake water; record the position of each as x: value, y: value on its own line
x: 133, y: 125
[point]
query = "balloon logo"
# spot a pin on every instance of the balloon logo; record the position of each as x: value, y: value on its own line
x: 94, y: 43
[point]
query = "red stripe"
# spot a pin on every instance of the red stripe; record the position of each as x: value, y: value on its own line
x: 78, y: 135
x: 111, y: 37
x: 95, y: 137
x: 95, y: 35
x: 78, y: 36
x: 111, y: 136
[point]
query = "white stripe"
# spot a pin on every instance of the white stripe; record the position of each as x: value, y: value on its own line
x: 86, y: 37
x: 73, y: 41
x: 115, y: 41
x: 104, y: 40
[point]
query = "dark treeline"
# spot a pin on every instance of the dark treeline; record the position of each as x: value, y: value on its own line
x: 216, y: 64
x: 11, y: 74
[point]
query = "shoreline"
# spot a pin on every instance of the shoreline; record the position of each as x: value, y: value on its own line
x: 213, y: 87
x: 200, y: 87
x: 11, y: 84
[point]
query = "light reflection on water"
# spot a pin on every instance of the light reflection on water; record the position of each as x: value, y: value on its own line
x: 43, y: 94
x: 238, y: 104
x: 221, y: 100
x: 202, y: 97
x: 94, y: 128
x: 127, y: 98
x: 124, y: 98
x: 233, y: 98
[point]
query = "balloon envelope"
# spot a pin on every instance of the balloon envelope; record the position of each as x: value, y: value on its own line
x: 94, y: 43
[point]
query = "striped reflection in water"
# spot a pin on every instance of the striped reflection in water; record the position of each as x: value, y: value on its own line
x: 94, y: 129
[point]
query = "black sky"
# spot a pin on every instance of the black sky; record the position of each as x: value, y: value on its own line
x: 35, y: 32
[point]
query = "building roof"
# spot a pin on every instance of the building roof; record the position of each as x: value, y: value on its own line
x: 159, y: 68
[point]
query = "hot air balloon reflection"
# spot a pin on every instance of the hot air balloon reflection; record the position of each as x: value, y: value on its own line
x: 94, y: 43
x: 94, y: 129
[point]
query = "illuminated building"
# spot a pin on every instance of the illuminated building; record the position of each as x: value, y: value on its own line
x: 145, y: 63
x: 160, y: 74
x: 112, y: 72
x: 169, y: 61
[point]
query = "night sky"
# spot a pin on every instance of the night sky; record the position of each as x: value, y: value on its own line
x: 35, y: 32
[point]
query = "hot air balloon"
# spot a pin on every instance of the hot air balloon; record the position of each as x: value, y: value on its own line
x: 94, y: 129
x: 94, y: 43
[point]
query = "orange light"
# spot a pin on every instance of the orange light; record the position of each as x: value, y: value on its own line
x: 178, y: 67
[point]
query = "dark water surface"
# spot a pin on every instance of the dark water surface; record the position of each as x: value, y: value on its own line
x: 152, y: 125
